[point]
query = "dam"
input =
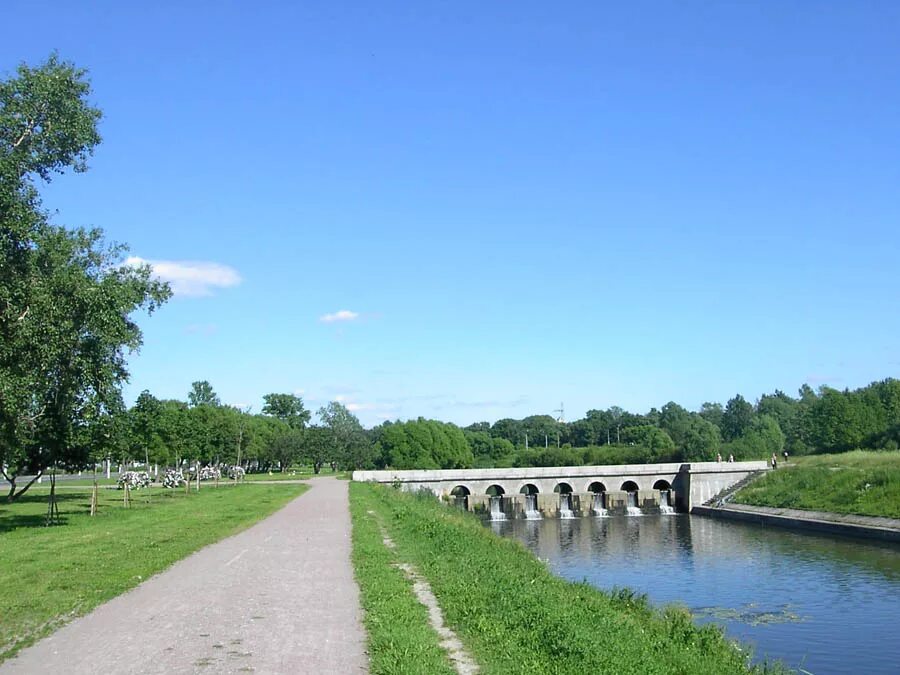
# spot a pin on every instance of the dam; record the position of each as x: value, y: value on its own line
x: 574, y: 491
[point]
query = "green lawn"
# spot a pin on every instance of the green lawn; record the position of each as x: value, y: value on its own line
x: 296, y: 473
x: 50, y: 575
x: 510, y: 611
x: 864, y: 483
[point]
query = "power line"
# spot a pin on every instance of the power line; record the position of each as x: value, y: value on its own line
x: 562, y: 414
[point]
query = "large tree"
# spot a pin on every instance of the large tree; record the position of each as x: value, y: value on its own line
x: 737, y: 418
x: 288, y: 408
x: 351, y: 446
x: 424, y: 444
x: 202, y: 393
x: 66, y: 322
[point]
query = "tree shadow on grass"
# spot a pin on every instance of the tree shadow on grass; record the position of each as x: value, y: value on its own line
x: 11, y: 520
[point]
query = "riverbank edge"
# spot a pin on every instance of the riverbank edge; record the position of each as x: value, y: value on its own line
x: 884, y: 529
x: 513, y: 613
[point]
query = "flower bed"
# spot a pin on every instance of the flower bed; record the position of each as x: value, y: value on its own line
x: 173, y: 479
x: 134, y: 479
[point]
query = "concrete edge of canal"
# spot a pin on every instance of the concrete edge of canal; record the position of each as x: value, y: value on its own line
x: 881, y: 529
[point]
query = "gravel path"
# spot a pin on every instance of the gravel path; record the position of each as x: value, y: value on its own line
x: 279, y: 597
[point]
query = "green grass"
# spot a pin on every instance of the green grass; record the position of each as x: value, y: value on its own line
x: 514, y: 615
x: 863, y: 483
x: 51, y: 575
x: 85, y: 481
x: 277, y: 476
x: 400, y: 638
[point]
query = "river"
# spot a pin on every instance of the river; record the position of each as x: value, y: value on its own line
x: 820, y: 604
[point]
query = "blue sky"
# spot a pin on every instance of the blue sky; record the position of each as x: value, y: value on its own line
x: 515, y: 204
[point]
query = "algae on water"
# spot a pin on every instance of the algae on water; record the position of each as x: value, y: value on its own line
x: 749, y: 614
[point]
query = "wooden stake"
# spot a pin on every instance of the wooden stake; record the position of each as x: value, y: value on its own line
x: 52, y: 506
x: 94, y: 495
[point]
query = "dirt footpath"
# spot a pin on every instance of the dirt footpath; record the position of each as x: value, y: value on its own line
x: 279, y: 597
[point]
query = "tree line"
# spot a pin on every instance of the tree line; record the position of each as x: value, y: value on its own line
x: 203, y: 430
x: 827, y: 420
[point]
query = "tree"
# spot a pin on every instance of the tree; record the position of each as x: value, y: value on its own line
x: 287, y: 447
x: 786, y: 411
x: 202, y: 393
x: 701, y: 441
x: 737, y: 418
x: 47, y: 126
x: 351, y: 448
x: 144, y: 427
x: 65, y: 340
x: 541, y: 429
x: 288, y: 408
x: 712, y: 413
x: 760, y: 440
x: 657, y: 441
x: 423, y: 444
x: 676, y: 421
x: 509, y: 429
x: 318, y: 447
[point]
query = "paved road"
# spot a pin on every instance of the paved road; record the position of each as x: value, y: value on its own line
x: 277, y: 598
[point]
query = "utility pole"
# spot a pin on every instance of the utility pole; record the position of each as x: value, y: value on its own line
x: 546, y: 445
x: 526, y: 440
x: 618, y: 438
x: 607, y: 435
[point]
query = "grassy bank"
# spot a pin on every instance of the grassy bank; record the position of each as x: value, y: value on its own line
x: 400, y: 639
x: 53, y: 574
x: 864, y: 483
x: 514, y: 615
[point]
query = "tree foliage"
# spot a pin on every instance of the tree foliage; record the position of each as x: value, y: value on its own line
x: 66, y: 323
x: 423, y: 444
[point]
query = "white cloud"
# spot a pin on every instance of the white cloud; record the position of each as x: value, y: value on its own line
x: 341, y: 315
x: 191, y: 278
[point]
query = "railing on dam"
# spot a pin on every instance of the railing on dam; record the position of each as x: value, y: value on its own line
x: 570, y: 491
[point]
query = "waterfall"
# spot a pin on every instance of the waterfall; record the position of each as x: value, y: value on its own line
x: 633, y: 509
x: 597, y: 506
x: 665, y: 506
x: 531, y: 511
x: 496, y: 510
x: 565, y: 506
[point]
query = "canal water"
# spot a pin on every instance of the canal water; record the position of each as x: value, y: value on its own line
x: 820, y: 604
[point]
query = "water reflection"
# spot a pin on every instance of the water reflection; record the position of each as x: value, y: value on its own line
x: 828, y: 605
